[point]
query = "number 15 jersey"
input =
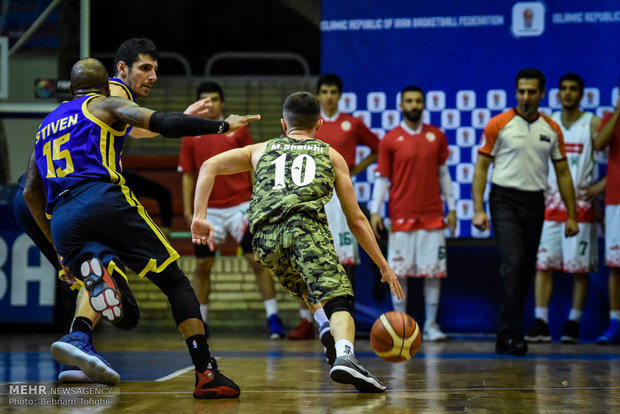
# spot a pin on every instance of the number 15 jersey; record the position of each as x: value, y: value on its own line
x: 73, y: 147
x: 293, y: 176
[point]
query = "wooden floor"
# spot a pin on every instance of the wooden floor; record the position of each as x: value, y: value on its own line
x: 460, y: 375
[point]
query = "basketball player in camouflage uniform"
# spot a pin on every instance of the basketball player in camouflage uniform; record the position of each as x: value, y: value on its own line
x: 295, y: 175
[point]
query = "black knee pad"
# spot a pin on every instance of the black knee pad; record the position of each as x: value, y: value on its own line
x: 339, y: 304
x: 175, y: 285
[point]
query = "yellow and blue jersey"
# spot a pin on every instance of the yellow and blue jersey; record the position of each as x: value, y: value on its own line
x: 72, y: 147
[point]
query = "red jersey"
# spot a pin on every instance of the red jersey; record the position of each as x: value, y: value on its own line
x: 228, y: 190
x: 344, y: 133
x: 411, y: 160
x: 612, y: 192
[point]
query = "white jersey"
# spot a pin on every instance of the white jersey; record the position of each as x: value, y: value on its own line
x: 581, y: 162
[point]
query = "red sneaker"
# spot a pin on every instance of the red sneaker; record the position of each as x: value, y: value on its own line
x: 304, y: 330
x: 211, y: 383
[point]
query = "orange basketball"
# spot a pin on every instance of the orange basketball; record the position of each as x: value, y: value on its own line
x: 395, y: 336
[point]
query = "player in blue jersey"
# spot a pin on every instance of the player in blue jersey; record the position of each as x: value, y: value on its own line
x: 99, y: 227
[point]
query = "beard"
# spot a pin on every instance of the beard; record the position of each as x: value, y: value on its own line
x: 414, y: 115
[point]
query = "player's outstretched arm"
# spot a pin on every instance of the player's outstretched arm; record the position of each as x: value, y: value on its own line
x: 358, y: 224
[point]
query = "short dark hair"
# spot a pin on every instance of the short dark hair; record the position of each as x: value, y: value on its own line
x: 411, y: 88
x: 209, y: 86
x: 129, y: 51
x: 301, y: 110
x: 531, y: 73
x: 329, y: 79
x: 573, y: 77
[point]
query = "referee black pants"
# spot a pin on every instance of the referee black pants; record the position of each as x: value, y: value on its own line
x: 517, y: 218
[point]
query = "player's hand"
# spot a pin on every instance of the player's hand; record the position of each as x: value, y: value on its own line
x: 591, y: 191
x: 202, y: 232
x: 451, y: 221
x: 387, y: 275
x: 200, y: 108
x: 239, y: 121
x: 571, y: 228
x: 376, y: 222
x: 481, y: 221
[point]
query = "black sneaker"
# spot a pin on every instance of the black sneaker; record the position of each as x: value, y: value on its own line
x: 329, y: 346
x: 539, y: 332
x: 516, y: 347
x: 570, y: 332
x: 347, y: 370
x: 110, y: 294
x: 211, y: 384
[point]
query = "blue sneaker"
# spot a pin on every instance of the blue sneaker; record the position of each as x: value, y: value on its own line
x: 276, y: 331
x: 76, y: 349
x: 612, y: 335
x: 72, y: 374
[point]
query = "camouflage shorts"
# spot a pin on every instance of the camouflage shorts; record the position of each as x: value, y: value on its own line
x: 300, y: 253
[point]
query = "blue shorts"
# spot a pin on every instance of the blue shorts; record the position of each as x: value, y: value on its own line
x: 106, y: 220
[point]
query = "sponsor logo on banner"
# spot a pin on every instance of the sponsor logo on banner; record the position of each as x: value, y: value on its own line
x: 378, y: 132
x: 435, y: 100
x: 371, y: 172
x: 465, y: 209
x: 474, y: 154
x: 464, y: 173
x: 347, y: 102
x: 362, y: 191
x: 454, y: 155
x: 480, y: 118
x: 496, y: 99
x: 528, y: 18
x: 361, y: 152
x: 553, y: 96
x: 364, y: 116
x: 591, y: 98
x: 390, y: 119
x: 375, y: 102
x: 450, y: 119
x: 466, y: 100
x: 465, y: 136
x: 614, y: 96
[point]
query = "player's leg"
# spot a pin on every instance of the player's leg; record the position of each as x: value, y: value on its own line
x: 210, y: 382
x: 202, y: 277
x: 612, y: 259
x: 430, y: 248
x: 264, y: 281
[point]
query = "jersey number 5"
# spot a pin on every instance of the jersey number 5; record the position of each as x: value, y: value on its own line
x: 298, y: 175
x: 56, y: 154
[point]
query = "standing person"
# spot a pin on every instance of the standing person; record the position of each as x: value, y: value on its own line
x: 520, y: 142
x: 228, y: 207
x: 609, y: 135
x: 577, y: 255
x: 344, y: 133
x: 136, y: 64
x: 412, y: 163
x: 96, y: 220
x: 295, y: 177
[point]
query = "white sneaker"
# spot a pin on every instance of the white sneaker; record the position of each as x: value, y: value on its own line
x: 433, y: 333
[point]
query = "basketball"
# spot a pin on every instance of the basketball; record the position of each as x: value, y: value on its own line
x: 395, y: 336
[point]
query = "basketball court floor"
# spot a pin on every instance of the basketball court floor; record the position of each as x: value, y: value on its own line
x: 460, y: 375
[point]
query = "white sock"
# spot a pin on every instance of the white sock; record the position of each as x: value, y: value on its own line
x: 204, y: 312
x: 542, y: 313
x: 614, y: 314
x: 271, y: 307
x: 401, y: 305
x: 344, y: 347
x: 320, y: 317
x: 432, y: 289
x: 575, y: 315
x: 306, y: 314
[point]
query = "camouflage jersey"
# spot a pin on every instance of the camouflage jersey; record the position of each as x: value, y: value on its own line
x: 293, y: 176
